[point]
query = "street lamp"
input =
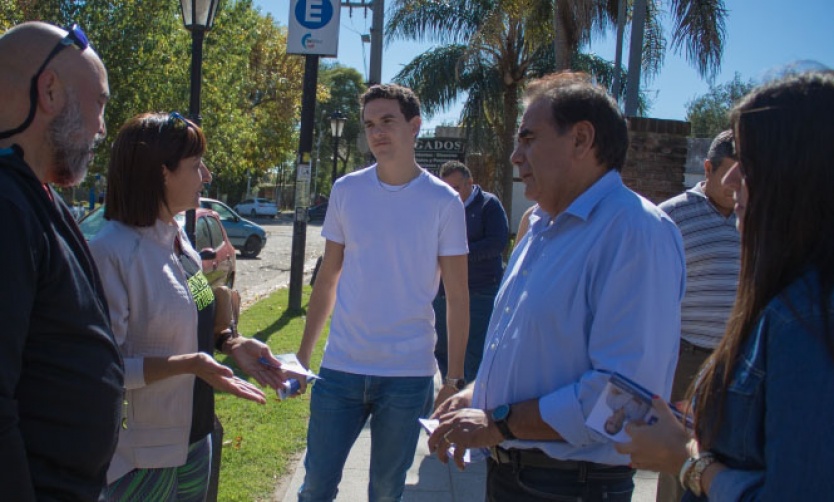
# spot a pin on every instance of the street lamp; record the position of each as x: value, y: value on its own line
x: 198, y: 18
x: 337, y: 126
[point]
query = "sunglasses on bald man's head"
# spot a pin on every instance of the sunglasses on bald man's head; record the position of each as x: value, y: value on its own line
x: 75, y: 38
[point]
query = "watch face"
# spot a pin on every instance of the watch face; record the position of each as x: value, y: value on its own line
x: 500, y: 414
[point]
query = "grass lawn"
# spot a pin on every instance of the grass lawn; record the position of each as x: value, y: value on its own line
x: 259, y: 442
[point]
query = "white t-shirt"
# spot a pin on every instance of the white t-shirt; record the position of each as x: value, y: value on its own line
x: 383, y: 322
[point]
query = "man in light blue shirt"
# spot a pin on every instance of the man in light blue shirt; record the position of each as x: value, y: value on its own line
x: 593, y: 288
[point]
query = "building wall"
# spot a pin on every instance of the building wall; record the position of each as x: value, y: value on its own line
x: 656, y: 157
x: 698, y: 149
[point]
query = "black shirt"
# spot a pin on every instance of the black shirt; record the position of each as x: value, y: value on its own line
x: 61, y: 373
x: 202, y: 421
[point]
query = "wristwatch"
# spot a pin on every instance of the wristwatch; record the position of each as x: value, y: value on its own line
x: 500, y: 416
x: 458, y: 383
x: 693, y: 477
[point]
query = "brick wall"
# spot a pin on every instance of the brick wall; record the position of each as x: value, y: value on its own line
x: 656, y: 157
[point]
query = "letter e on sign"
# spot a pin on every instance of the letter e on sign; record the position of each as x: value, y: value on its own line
x: 313, y: 14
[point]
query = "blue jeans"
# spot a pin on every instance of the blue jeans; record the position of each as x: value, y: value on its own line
x: 480, y: 310
x: 339, y: 407
x: 518, y: 483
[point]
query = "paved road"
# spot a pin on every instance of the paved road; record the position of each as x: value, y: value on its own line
x: 257, y: 277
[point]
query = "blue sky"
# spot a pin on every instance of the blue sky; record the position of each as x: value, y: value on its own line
x: 762, y: 37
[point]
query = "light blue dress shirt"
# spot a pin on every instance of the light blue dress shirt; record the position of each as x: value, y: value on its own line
x: 596, y: 290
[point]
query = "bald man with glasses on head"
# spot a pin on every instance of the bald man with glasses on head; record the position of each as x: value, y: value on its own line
x: 61, y: 375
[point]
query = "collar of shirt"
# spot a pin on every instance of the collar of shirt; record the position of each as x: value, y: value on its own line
x: 698, y: 191
x: 583, y: 205
x: 475, y: 190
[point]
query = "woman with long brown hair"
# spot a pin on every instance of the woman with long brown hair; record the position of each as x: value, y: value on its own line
x: 764, y: 403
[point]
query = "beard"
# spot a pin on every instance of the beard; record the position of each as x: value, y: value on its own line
x: 71, y: 153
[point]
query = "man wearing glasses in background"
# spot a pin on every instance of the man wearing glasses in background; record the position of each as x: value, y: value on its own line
x: 61, y: 374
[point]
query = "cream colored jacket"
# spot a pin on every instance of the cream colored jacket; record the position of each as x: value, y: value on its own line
x: 153, y: 315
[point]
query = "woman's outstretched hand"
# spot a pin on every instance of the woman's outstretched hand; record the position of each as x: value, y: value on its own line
x: 223, y: 378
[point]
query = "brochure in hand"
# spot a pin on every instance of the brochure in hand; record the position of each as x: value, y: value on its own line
x: 289, y: 362
x: 623, y: 400
x: 430, y: 424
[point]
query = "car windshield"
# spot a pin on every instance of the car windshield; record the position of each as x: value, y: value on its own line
x: 225, y: 213
x: 92, y: 223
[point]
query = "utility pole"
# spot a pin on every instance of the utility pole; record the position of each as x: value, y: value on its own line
x: 377, y: 22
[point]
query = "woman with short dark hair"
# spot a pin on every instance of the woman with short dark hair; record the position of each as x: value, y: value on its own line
x: 162, y: 313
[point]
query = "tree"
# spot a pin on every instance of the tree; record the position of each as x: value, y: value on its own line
x: 489, y: 46
x: 345, y: 86
x: 251, y: 89
x: 698, y: 30
x: 709, y: 113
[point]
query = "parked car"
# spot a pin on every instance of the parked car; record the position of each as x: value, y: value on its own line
x: 216, y: 251
x: 247, y: 237
x: 257, y: 206
x: 317, y: 213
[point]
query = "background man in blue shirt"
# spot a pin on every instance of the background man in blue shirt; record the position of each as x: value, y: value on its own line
x: 487, y: 232
x: 593, y: 287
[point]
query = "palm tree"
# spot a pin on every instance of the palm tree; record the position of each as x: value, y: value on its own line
x: 488, y: 47
x: 492, y: 47
x: 698, y: 27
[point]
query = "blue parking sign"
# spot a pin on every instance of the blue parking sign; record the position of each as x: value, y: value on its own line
x: 313, y: 27
x: 313, y: 14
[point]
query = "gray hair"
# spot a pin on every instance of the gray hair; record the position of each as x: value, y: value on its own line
x: 722, y: 147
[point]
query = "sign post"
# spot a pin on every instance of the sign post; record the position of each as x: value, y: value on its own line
x: 313, y: 31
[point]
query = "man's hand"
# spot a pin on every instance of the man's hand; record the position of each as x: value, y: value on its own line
x: 463, y: 428
x: 304, y: 359
x: 462, y: 399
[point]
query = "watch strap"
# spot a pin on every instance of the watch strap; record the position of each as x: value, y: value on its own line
x: 503, y: 426
x: 693, y: 478
x: 456, y: 383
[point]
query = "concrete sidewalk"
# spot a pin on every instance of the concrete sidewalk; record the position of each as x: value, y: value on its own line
x: 427, y: 480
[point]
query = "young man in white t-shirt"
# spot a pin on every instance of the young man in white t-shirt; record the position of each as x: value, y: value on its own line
x: 392, y: 231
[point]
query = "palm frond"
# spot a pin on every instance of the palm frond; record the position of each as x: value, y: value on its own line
x: 654, y: 42
x: 699, y: 27
x: 434, y: 76
x: 435, y: 20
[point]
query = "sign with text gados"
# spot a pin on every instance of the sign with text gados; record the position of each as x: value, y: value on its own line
x: 313, y: 27
x: 431, y: 153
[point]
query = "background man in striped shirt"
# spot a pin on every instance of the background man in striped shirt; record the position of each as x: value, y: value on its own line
x: 704, y: 214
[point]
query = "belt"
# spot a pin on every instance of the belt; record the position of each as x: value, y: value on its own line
x: 689, y: 347
x: 539, y: 459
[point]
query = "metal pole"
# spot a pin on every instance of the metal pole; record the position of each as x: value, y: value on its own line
x: 197, y: 35
x: 335, y: 162
x: 377, y: 22
x: 635, y: 58
x: 305, y: 147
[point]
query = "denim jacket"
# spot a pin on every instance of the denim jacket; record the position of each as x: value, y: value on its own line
x: 776, y: 435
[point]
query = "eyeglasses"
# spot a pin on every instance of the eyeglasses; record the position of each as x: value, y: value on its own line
x: 175, y: 120
x: 75, y: 37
